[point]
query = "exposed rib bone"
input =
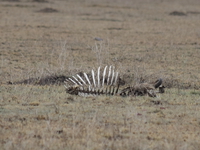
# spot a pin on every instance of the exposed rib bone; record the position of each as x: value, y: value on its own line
x: 98, y: 77
x: 113, y: 75
x: 72, y: 81
x: 77, y: 80
x: 104, y: 74
x: 115, y: 83
x: 89, y: 88
x: 109, y: 73
x: 81, y: 79
x: 87, y: 78
x: 67, y: 82
x: 65, y: 86
x: 93, y: 77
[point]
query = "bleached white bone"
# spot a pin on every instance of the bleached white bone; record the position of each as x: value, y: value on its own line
x: 104, y: 74
x: 81, y: 79
x: 65, y: 86
x: 73, y: 81
x: 68, y: 82
x: 93, y: 77
x: 89, y: 87
x: 98, y: 76
x: 87, y: 78
x: 113, y: 75
x: 77, y: 80
x: 109, y: 73
x: 115, y: 83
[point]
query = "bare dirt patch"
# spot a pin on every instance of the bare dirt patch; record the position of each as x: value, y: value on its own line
x: 177, y: 13
x: 48, y: 10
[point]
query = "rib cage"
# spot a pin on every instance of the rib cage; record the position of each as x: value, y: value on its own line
x: 108, y: 82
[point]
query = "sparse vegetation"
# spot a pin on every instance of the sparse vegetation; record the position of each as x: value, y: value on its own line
x: 140, y: 38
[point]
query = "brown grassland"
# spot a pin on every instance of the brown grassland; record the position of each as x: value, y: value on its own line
x: 144, y: 39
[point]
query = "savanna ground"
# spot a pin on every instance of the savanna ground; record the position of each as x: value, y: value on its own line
x: 144, y: 39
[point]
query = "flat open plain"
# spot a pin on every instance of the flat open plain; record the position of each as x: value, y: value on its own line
x: 145, y: 39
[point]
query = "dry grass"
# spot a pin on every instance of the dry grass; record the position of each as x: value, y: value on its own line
x: 144, y: 39
x: 46, y: 117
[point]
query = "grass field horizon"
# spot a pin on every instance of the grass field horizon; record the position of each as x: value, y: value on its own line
x: 142, y: 39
